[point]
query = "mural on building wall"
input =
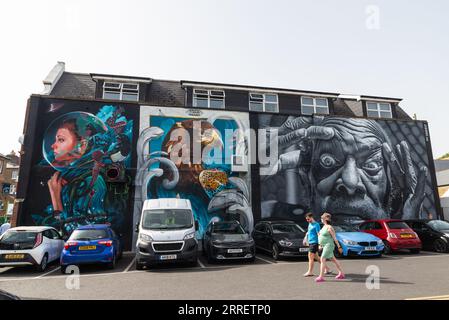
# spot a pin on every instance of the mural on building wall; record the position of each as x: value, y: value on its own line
x: 353, y: 168
x: 89, y: 154
x: 215, y: 190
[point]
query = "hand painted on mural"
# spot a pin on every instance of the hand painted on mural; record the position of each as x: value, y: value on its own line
x: 351, y: 168
x: 55, y: 185
x: 403, y: 171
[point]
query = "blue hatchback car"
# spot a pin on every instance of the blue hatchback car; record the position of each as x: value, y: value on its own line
x: 358, y: 243
x: 92, y: 244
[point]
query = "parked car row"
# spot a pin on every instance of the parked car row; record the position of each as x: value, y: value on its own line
x: 38, y: 246
x: 166, y: 233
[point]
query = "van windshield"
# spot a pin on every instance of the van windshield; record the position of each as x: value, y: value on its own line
x: 167, y: 219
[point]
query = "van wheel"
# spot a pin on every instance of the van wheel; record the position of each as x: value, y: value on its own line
x: 387, y: 248
x: 43, y: 265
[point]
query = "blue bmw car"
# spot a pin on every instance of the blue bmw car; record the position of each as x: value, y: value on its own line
x: 92, y: 244
x: 358, y: 243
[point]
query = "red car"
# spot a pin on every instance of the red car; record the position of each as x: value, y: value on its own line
x: 396, y: 234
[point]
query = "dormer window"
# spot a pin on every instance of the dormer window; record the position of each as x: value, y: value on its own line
x: 379, y: 110
x: 121, y: 91
x: 263, y: 102
x: 311, y: 105
x: 203, y: 98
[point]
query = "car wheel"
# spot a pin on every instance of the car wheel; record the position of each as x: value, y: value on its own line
x: 43, y: 265
x: 63, y: 269
x: 139, y: 266
x: 275, y: 251
x: 440, y: 246
x: 111, y: 265
x: 387, y: 248
x: 415, y: 251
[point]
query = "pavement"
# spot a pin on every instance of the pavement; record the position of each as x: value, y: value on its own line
x: 401, y: 276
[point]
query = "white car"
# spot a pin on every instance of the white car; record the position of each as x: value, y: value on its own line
x: 36, y: 246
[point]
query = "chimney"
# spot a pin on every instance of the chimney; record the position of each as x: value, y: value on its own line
x: 53, y: 77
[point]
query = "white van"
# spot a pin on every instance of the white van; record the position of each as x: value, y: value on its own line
x: 166, y: 233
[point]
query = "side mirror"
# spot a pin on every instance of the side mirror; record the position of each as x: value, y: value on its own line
x: 137, y: 228
x: 197, y: 225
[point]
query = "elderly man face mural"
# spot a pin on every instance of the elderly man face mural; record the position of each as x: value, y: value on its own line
x: 353, y: 169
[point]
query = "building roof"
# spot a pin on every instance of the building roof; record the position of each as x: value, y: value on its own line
x: 80, y: 85
x: 172, y: 93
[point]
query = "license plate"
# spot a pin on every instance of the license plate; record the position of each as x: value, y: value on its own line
x: 303, y: 249
x: 370, y: 249
x: 235, y: 250
x: 14, y: 256
x: 406, y: 236
x: 86, y: 248
x: 168, y: 257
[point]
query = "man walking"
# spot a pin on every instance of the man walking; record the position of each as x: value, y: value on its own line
x: 312, y: 239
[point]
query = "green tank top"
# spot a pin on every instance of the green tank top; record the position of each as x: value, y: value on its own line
x: 325, y: 237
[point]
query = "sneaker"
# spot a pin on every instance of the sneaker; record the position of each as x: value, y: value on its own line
x: 307, y: 274
x: 319, y: 279
x: 340, y: 276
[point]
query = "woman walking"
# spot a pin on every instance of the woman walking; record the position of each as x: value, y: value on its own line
x: 327, y: 241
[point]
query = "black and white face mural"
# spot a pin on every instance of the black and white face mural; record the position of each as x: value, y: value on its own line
x: 353, y: 168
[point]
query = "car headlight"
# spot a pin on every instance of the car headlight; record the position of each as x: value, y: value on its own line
x: 189, y: 236
x: 145, y: 238
x: 379, y: 242
x: 350, y: 242
x: 285, y: 243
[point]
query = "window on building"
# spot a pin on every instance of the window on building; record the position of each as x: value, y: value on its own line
x: 13, y: 190
x: 15, y: 175
x: 1, y: 167
x: 263, y: 102
x: 311, y: 105
x: 203, y: 98
x: 378, y: 110
x: 121, y: 91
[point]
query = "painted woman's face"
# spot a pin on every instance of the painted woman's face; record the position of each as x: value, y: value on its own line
x: 65, y: 142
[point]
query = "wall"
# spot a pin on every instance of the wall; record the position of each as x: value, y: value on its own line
x: 81, y: 168
x: 352, y: 167
x: 215, y: 188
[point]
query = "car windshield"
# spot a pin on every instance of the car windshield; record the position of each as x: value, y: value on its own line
x: 167, y: 219
x: 287, y: 228
x: 439, y: 225
x: 397, y: 225
x: 345, y: 228
x: 89, y: 234
x: 227, y: 228
x: 14, y: 236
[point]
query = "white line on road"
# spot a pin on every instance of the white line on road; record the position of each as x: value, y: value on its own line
x: 49, y: 272
x: 130, y: 265
x: 267, y: 261
x: 201, y: 264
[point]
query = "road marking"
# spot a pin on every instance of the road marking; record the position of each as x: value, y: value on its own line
x: 445, y: 297
x: 267, y: 261
x: 130, y: 265
x: 201, y: 264
x: 49, y: 272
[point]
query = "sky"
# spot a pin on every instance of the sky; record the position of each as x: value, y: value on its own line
x: 387, y: 48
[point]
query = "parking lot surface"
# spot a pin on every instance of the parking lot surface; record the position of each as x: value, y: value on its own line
x: 401, y: 276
